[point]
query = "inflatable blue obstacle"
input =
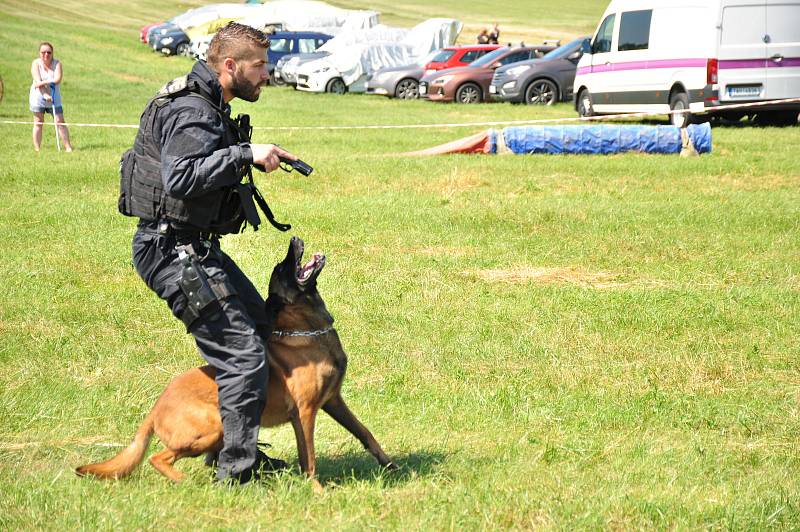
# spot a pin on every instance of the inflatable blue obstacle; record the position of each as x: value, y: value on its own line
x: 598, y: 139
x: 588, y: 139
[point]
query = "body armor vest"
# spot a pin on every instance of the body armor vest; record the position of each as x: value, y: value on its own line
x: 141, y: 188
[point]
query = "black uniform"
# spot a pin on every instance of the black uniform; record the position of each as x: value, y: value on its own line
x: 188, y: 147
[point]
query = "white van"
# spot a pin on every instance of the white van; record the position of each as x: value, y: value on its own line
x: 661, y: 55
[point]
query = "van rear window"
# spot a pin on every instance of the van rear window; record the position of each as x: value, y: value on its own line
x: 634, y: 30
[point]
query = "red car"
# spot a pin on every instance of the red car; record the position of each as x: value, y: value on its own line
x: 145, y: 29
x: 470, y: 84
x: 456, y: 56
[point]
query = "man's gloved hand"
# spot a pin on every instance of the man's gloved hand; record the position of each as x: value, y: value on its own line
x: 267, y: 156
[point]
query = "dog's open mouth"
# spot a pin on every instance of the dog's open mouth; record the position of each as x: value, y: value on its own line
x: 304, y: 273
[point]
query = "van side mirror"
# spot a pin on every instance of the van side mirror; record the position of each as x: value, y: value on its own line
x: 586, y: 46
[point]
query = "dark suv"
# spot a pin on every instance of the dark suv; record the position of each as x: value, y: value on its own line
x: 282, y: 43
x: 542, y: 81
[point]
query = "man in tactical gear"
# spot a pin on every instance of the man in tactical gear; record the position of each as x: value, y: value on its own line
x: 183, y: 179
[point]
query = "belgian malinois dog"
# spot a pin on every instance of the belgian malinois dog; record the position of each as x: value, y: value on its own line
x: 307, y: 367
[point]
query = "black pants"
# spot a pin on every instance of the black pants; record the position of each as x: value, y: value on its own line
x: 229, y: 334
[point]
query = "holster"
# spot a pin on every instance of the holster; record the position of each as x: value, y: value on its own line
x: 200, y: 291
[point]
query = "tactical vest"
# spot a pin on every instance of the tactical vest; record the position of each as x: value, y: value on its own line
x: 142, y: 192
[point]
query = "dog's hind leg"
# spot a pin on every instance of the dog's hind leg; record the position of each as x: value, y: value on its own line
x: 337, y: 409
x: 209, y: 443
x: 163, y: 462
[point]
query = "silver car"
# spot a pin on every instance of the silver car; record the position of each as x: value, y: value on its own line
x: 399, y: 82
x: 285, y: 72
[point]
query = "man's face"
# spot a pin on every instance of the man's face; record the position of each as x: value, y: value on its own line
x: 251, y: 75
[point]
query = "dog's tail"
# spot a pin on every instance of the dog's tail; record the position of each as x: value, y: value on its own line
x: 126, y: 461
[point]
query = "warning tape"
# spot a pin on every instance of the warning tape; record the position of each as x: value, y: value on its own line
x: 467, y: 124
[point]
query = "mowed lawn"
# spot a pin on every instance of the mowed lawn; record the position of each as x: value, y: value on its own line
x: 541, y: 342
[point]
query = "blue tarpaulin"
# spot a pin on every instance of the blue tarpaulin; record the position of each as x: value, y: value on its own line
x: 597, y: 139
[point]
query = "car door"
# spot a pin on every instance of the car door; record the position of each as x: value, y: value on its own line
x: 742, y: 50
x: 783, y: 49
x: 564, y: 71
x: 601, y: 69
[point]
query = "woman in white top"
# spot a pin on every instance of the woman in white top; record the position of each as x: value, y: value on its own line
x: 45, y: 95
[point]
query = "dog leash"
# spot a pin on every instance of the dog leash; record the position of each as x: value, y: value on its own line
x: 319, y: 332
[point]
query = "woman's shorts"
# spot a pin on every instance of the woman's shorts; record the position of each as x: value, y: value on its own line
x: 49, y: 110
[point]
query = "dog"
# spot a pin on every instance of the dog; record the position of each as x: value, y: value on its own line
x: 307, y: 367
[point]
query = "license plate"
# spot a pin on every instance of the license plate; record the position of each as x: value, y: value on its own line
x: 492, y: 89
x: 423, y: 89
x: 744, y: 91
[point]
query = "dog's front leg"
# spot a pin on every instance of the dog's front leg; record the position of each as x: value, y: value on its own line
x: 338, y: 410
x: 303, y: 420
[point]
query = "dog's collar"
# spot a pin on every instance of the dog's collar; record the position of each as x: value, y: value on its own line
x: 318, y: 332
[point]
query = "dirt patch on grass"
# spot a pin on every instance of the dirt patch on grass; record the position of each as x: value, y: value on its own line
x: 568, y: 275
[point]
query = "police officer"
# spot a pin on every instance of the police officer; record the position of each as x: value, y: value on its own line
x: 183, y: 179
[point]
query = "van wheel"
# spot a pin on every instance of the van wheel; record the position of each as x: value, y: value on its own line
x: 469, y: 93
x: 336, y: 86
x: 407, y: 89
x: 585, y: 108
x: 182, y: 49
x: 541, y: 92
x: 678, y: 102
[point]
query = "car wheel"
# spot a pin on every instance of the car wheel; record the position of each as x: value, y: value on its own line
x: 541, y: 92
x: 182, y: 49
x: 678, y: 102
x: 336, y: 86
x: 407, y: 89
x: 276, y: 80
x: 585, y: 107
x: 469, y: 93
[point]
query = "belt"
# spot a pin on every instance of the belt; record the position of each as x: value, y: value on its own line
x: 164, y: 228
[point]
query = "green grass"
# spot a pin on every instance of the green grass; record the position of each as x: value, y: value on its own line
x: 541, y: 342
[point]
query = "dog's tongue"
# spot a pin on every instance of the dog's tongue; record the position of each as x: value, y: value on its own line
x: 305, y: 272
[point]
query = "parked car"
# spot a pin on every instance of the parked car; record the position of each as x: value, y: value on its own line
x: 722, y: 52
x: 347, y: 67
x: 542, y: 81
x: 282, y: 43
x: 457, y: 56
x: 470, y: 84
x: 399, y: 82
x: 145, y: 30
x: 171, y: 38
x: 285, y: 72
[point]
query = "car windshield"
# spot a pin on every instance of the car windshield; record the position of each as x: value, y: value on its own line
x: 442, y: 56
x: 489, y: 58
x: 564, y: 49
x: 428, y: 58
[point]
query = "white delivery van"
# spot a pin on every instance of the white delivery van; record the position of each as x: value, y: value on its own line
x: 662, y: 55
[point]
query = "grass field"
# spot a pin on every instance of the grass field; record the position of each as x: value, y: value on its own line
x: 540, y: 342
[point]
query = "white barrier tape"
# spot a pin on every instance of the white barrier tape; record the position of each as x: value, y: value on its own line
x: 468, y: 124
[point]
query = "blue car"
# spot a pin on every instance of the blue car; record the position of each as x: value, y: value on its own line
x: 169, y: 39
x: 282, y: 43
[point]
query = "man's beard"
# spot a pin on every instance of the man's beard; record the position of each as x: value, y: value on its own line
x: 242, y: 88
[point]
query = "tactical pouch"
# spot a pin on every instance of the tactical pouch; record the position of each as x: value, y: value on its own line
x: 126, y: 183
x: 199, y: 289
